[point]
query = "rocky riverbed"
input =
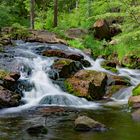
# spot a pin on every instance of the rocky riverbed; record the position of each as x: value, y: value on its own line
x: 45, y: 88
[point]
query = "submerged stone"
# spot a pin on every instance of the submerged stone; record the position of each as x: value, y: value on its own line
x: 36, y: 130
x: 84, y: 123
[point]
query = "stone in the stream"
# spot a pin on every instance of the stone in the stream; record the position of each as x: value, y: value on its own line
x: 114, y: 89
x: 84, y: 123
x: 66, y: 67
x: 89, y: 84
x: 62, y: 54
x: 134, y: 101
x: 110, y: 66
x: 36, y: 130
x: 136, y: 115
x: 8, y: 98
x: 11, y: 78
x: 117, y: 80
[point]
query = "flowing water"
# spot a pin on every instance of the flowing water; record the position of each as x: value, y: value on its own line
x: 34, y: 69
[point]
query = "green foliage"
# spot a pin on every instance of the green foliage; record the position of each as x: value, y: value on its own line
x: 76, y: 43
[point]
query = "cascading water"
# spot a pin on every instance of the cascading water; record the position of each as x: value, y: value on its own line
x: 45, y: 92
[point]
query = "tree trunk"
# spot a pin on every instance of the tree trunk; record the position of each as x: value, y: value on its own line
x: 32, y: 14
x: 55, y: 13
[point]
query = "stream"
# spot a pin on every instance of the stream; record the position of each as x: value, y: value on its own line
x: 34, y: 70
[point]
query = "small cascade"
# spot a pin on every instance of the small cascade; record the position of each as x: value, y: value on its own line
x: 45, y: 92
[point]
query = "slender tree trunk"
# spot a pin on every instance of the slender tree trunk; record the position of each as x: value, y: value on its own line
x: 32, y: 14
x: 55, y: 22
x: 89, y: 8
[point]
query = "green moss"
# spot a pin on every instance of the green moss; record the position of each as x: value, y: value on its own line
x: 63, y: 62
x: 71, y: 90
x: 3, y: 73
x: 114, y: 70
x: 136, y: 90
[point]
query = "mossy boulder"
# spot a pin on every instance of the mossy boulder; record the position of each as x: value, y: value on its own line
x: 108, y: 65
x: 66, y: 67
x: 131, y: 61
x: 136, y: 90
x: 89, y: 84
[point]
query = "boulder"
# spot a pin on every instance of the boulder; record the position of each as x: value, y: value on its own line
x: 84, y: 123
x: 66, y: 67
x: 8, y: 98
x: 117, y: 80
x: 75, y: 33
x: 109, y: 65
x: 131, y: 61
x: 113, y: 89
x: 5, y: 41
x: 136, y: 115
x: 62, y: 54
x: 134, y: 101
x: 102, y: 30
x: 11, y: 79
x: 89, y: 84
x: 44, y: 37
x: 36, y: 130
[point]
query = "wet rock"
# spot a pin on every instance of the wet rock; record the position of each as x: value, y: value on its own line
x: 85, y: 63
x: 36, y: 130
x: 62, y: 54
x: 117, y: 80
x: 84, y: 123
x: 136, y: 115
x: 5, y: 41
x: 11, y: 79
x: 89, y: 84
x: 8, y: 98
x: 109, y: 65
x: 66, y: 67
x: 88, y: 52
x: 134, y: 101
x: 113, y: 89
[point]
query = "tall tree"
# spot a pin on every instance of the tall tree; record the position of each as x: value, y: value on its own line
x: 32, y: 14
x: 55, y: 22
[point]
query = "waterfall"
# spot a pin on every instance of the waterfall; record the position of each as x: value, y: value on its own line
x: 45, y: 92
